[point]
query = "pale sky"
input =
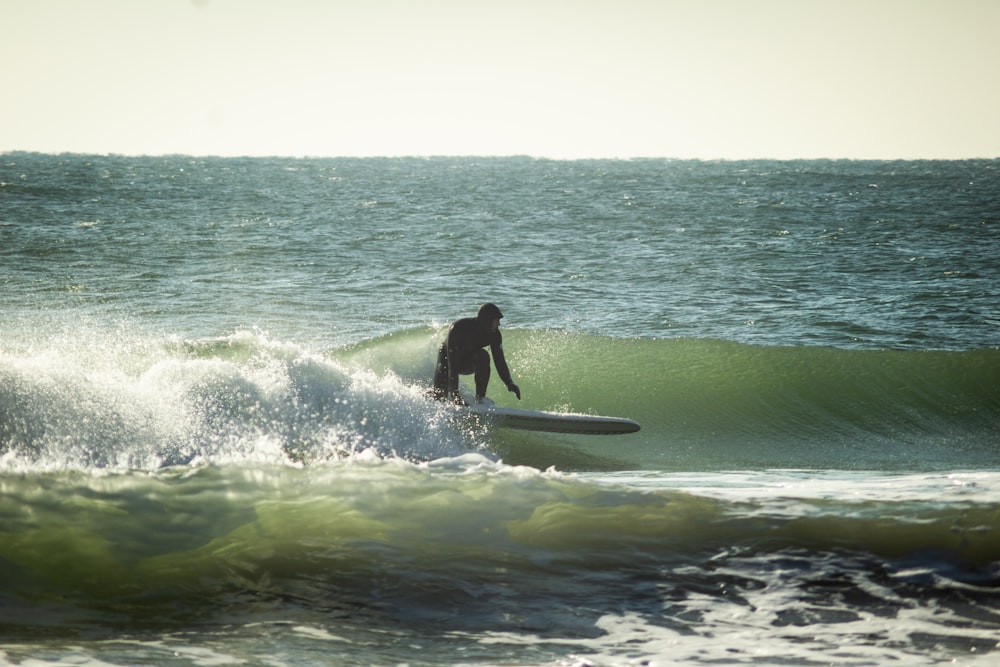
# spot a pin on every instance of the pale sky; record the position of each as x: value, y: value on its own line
x: 547, y: 78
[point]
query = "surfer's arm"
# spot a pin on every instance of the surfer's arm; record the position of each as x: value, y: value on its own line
x: 496, y: 347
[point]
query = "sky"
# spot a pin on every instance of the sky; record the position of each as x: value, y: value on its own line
x: 705, y: 79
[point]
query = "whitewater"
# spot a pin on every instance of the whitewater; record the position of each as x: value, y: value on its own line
x: 216, y: 445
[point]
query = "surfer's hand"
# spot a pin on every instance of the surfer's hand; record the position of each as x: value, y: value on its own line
x: 514, y: 389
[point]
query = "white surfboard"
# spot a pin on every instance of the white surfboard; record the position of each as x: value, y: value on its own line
x: 553, y: 422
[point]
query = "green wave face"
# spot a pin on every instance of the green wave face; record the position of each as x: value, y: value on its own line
x: 709, y: 404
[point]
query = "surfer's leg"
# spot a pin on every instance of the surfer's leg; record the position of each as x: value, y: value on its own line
x: 482, y: 362
x: 456, y: 362
x: 441, y: 384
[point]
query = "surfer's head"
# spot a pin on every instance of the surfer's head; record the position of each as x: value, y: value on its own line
x: 488, y: 313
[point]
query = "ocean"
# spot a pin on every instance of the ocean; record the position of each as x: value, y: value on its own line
x: 216, y: 446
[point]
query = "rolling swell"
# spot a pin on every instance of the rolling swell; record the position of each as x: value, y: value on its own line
x: 464, y: 539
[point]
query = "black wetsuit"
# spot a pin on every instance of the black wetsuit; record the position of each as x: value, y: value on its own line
x: 462, y: 353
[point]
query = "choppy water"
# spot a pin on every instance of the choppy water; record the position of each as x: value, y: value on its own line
x: 215, y: 446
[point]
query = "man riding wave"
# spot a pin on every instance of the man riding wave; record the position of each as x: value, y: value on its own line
x: 462, y: 353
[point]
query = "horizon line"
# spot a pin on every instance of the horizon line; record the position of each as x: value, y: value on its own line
x: 431, y: 156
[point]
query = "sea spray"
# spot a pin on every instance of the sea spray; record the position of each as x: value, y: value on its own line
x: 238, y: 398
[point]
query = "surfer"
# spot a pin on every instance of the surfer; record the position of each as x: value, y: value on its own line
x: 462, y: 353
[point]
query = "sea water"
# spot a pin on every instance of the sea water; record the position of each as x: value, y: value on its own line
x: 216, y: 445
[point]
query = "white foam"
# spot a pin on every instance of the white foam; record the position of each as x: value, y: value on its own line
x: 238, y: 398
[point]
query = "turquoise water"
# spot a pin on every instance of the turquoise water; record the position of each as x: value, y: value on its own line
x: 215, y: 446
